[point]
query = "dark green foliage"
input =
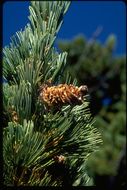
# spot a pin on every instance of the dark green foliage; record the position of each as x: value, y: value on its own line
x: 93, y: 64
x: 34, y: 137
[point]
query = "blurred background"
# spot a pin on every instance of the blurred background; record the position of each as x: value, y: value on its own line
x: 94, y: 35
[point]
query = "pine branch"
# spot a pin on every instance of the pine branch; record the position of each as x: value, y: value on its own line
x: 39, y: 140
x: 27, y: 152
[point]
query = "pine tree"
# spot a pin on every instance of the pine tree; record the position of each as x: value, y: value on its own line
x: 105, y: 75
x: 48, y: 131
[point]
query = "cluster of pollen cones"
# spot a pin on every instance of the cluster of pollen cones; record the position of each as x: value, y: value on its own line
x: 62, y: 94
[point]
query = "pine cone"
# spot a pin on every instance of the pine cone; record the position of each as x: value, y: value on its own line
x: 62, y: 94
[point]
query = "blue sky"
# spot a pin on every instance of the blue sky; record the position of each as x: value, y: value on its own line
x: 82, y: 18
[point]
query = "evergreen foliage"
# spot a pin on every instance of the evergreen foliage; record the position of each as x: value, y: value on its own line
x: 105, y: 75
x: 42, y: 147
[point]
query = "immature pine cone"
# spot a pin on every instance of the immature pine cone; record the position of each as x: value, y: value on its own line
x: 62, y: 94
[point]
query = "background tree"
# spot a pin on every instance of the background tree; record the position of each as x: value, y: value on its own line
x: 48, y: 131
x: 94, y: 64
